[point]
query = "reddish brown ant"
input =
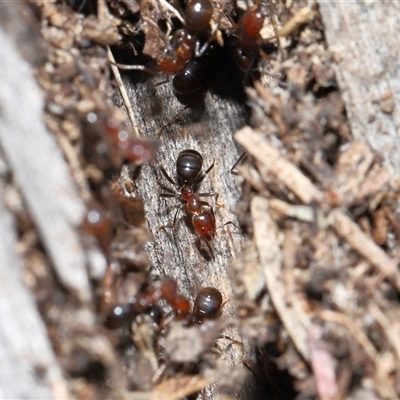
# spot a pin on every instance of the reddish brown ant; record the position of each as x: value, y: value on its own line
x: 98, y: 224
x: 189, y: 174
x: 119, y: 137
x: 247, y: 40
x: 185, y: 42
x: 144, y: 302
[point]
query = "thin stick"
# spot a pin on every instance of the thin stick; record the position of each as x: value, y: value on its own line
x: 122, y: 90
x: 168, y: 6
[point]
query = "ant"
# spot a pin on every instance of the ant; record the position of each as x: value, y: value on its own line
x: 185, y: 41
x: 146, y: 302
x: 185, y: 44
x: 189, y: 173
x: 247, y: 40
x: 98, y: 224
x: 207, y: 306
x: 250, y: 26
x: 108, y: 143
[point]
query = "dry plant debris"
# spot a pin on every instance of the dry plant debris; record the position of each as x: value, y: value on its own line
x: 310, y: 284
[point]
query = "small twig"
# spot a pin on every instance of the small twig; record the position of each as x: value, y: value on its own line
x: 174, y: 11
x: 355, y: 330
x: 296, y: 21
x: 278, y: 165
x: 122, y: 90
x: 268, y: 246
x: 365, y: 246
x: 306, y: 191
x: 385, y: 390
x: 388, y: 328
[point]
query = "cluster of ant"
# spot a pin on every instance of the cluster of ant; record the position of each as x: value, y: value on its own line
x: 208, y: 302
x: 150, y: 295
x: 200, y: 58
x: 189, y: 58
x: 106, y: 145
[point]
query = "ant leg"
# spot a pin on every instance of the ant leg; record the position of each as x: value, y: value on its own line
x: 201, y: 178
x: 163, y: 227
x: 213, y: 36
x: 165, y: 173
x: 234, y: 341
x: 198, y: 52
x: 167, y: 195
x: 228, y: 223
x: 162, y: 83
x: 197, y: 243
x: 211, y: 194
x: 210, y: 168
x: 242, y: 157
x: 176, y: 215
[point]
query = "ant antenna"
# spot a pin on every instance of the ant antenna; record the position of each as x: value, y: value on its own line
x: 160, y: 131
x: 239, y: 161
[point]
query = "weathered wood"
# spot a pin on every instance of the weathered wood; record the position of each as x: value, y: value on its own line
x: 364, y: 39
x: 28, y: 368
x: 40, y: 170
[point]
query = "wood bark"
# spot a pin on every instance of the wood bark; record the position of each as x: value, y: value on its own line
x: 29, y: 368
x: 364, y: 39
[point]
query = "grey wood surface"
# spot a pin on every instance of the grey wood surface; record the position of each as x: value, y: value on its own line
x: 364, y: 39
x: 29, y: 368
x: 40, y: 170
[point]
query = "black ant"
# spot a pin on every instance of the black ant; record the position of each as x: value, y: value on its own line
x: 189, y: 174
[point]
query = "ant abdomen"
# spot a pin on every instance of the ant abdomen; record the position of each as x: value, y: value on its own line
x: 204, y: 224
x: 251, y: 24
x: 188, y: 166
x: 207, y: 305
x: 193, y: 78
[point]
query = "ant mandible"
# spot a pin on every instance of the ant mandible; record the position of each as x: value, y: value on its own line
x: 189, y: 174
